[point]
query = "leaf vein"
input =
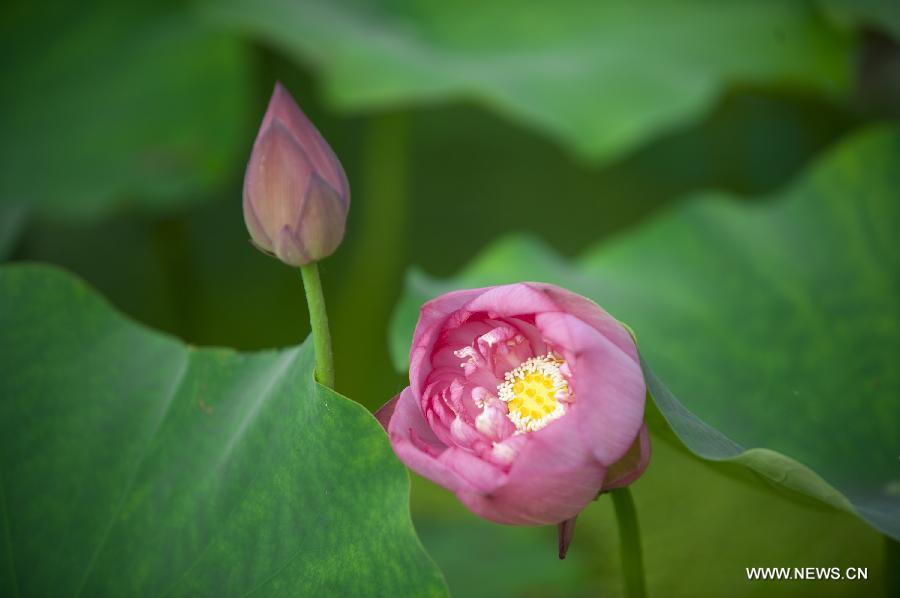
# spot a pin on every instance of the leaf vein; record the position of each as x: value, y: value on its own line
x: 177, y: 383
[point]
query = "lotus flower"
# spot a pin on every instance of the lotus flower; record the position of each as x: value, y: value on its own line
x: 525, y: 400
x: 296, y: 195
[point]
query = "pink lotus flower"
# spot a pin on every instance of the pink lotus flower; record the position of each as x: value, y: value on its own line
x: 296, y: 195
x: 525, y: 400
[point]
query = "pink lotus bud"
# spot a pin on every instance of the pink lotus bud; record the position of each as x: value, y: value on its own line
x: 296, y: 194
x: 525, y: 400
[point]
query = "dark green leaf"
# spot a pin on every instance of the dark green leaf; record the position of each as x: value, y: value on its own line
x: 600, y: 77
x: 135, y: 465
x: 884, y: 14
x: 108, y: 102
x: 777, y: 326
x: 701, y: 524
x: 12, y: 220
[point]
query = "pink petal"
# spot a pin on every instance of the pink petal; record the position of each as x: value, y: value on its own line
x: 482, y: 477
x: 420, y: 450
x: 503, y: 454
x: 322, y: 219
x: 289, y: 248
x: 466, y: 436
x: 554, y: 477
x: 532, y: 336
x: 432, y: 317
x: 493, y: 422
x: 258, y: 234
x: 274, y: 185
x: 608, y: 385
x: 630, y: 467
x: 282, y: 107
x: 592, y: 314
x: 511, y: 300
x: 406, y: 420
x: 385, y: 412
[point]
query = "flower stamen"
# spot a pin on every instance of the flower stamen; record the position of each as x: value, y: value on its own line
x: 536, y: 392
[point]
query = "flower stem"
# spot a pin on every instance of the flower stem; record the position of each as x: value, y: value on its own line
x: 630, y: 543
x: 891, y: 567
x: 318, y: 321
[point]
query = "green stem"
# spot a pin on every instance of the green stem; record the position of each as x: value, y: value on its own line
x: 630, y: 543
x: 891, y: 567
x: 318, y: 321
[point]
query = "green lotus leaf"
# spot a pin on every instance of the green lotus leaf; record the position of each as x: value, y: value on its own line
x: 600, y: 77
x: 134, y: 465
x: 775, y: 325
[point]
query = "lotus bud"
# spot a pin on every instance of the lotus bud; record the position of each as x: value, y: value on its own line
x: 296, y: 194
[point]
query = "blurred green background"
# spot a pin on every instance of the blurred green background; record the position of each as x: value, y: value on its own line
x: 127, y: 128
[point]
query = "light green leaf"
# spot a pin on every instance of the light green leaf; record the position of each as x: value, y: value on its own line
x: 134, y: 465
x: 107, y: 103
x: 602, y: 77
x: 776, y: 325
